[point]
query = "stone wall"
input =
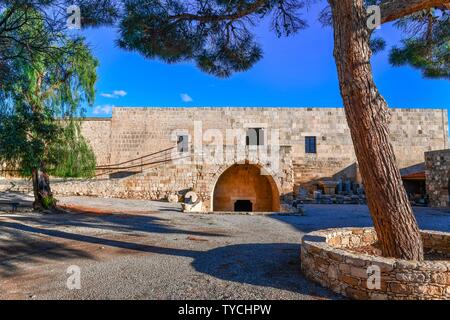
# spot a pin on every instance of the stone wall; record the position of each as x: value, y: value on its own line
x: 132, y: 133
x: 438, y: 177
x: 135, y: 132
x: 323, y: 260
x: 97, y: 132
x: 143, y: 134
x: 159, y: 182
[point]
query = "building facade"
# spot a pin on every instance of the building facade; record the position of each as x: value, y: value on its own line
x: 245, y: 159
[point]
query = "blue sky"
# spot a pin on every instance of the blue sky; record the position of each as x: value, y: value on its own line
x: 298, y: 71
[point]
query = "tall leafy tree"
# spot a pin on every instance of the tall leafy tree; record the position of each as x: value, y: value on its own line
x: 217, y: 36
x: 53, y: 16
x: 41, y: 98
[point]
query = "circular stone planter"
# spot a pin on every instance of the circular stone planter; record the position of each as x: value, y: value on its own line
x: 361, y: 276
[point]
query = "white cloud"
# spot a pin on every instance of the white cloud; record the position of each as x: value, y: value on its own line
x: 120, y: 93
x: 186, y: 98
x: 103, y: 109
x: 115, y: 94
x: 108, y: 95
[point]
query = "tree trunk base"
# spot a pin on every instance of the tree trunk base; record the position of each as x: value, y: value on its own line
x: 368, y: 119
x: 43, y: 196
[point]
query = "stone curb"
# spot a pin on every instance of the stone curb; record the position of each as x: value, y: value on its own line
x: 324, y: 260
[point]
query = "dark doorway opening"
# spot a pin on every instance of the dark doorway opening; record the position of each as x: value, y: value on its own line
x: 243, y: 206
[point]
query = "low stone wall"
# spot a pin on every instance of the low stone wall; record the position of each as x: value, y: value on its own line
x: 105, y: 188
x: 16, y: 185
x: 140, y: 187
x: 324, y: 260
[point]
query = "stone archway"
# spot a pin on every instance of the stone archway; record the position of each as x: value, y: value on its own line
x: 242, y: 187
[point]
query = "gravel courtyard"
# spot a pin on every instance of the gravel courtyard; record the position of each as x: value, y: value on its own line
x: 132, y: 249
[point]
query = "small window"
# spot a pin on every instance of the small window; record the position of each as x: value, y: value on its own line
x: 310, y: 145
x: 183, y: 143
x: 255, y: 137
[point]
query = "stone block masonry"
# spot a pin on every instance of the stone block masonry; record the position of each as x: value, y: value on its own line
x: 360, y: 276
x: 132, y: 133
x: 438, y: 177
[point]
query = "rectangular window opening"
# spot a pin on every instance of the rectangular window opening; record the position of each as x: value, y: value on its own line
x: 183, y: 143
x: 254, y: 137
x: 310, y: 144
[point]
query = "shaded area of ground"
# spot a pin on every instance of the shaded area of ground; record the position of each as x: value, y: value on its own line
x: 150, y: 250
x: 18, y: 250
x: 322, y: 216
x: 276, y: 265
x: 25, y: 201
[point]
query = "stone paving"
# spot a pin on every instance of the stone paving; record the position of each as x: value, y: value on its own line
x: 150, y: 250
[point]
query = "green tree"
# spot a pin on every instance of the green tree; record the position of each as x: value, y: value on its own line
x: 41, y: 99
x: 53, y: 16
x: 217, y: 36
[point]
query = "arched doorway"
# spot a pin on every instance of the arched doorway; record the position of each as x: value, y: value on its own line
x: 242, y: 188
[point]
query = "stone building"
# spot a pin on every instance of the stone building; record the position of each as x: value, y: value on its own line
x: 438, y: 177
x: 245, y: 159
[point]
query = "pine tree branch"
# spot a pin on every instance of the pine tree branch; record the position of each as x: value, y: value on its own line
x: 395, y: 9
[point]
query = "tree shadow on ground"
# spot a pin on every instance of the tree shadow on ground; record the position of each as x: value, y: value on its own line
x: 17, y: 248
x: 22, y: 248
x: 124, y: 223
x: 319, y: 217
x: 12, y: 196
x: 275, y: 265
x: 21, y: 241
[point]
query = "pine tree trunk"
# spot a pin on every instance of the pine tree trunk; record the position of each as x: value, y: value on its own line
x: 368, y: 118
x: 41, y: 188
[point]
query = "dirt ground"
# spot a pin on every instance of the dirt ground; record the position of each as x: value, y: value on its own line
x: 131, y: 249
